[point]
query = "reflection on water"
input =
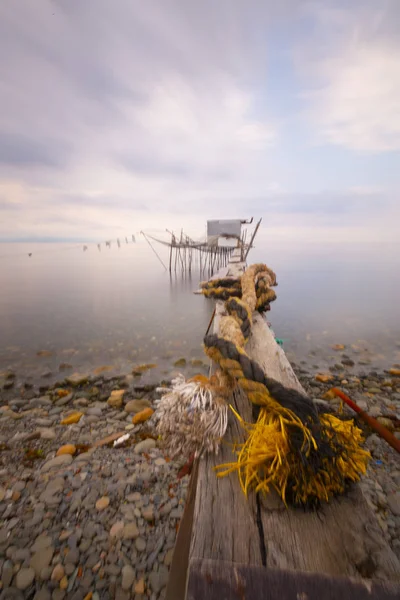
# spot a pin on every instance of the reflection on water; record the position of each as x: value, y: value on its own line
x: 119, y: 307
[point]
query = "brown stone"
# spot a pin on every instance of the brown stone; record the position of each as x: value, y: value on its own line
x: 77, y: 379
x: 73, y: 418
x: 58, y: 573
x: 139, y: 586
x: 324, y: 377
x: 67, y: 449
x: 102, y: 503
x: 142, y: 416
x: 103, y: 369
x: 135, y: 406
x: 115, y: 400
x: 139, y: 369
x: 117, y: 529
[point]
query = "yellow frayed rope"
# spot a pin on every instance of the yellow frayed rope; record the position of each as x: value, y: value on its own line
x: 290, y: 448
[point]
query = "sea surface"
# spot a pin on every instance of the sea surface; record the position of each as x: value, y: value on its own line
x: 118, y: 307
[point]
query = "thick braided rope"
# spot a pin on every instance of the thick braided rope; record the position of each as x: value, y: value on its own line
x: 302, y: 453
x: 249, y: 295
x: 224, y: 282
x: 222, y: 293
x: 237, y: 309
x: 260, y: 389
x: 258, y: 276
x: 227, y: 350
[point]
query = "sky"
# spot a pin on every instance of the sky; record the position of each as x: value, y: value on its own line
x: 129, y: 115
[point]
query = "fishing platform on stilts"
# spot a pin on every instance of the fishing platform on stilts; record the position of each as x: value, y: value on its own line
x: 210, y: 254
x: 230, y: 547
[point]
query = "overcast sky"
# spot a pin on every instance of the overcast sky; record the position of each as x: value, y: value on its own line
x: 117, y: 115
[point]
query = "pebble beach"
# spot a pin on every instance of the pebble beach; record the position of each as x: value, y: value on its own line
x: 378, y: 394
x: 90, y: 503
x: 80, y: 521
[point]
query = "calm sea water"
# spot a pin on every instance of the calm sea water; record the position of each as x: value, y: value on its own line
x: 119, y: 307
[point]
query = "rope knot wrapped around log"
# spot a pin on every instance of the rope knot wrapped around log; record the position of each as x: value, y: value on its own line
x: 307, y: 454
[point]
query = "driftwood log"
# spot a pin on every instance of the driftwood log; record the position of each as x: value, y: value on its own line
x: 230, y: 547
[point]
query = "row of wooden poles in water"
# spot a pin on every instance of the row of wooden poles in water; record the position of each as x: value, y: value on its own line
x: 186, y: 254
x: 206, y: 258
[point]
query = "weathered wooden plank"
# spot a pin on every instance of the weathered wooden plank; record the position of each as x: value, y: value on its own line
x: 225, y: 523
x: 176, y: 587
x: 343, y: 537
x: 216, y: 580
x: 269, y: 355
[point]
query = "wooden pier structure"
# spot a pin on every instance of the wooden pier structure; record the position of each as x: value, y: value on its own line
x: 210, y: 254
x: 230, y: 547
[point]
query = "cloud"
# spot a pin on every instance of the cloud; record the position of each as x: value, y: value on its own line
x: 328, y: 208
x: 94, y: 201
x: 186, y: 132
x: 354, y: 100
x: 19, y: 150
x: 134, y: 115
x: 127, y: 107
